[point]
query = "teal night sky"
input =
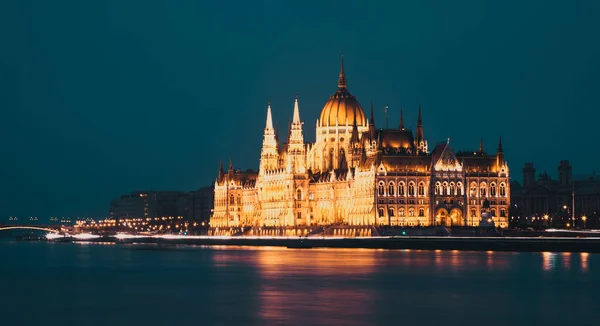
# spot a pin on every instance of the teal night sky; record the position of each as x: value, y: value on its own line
x: 100, y: 98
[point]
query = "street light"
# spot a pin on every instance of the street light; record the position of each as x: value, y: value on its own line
x: 584, y: 218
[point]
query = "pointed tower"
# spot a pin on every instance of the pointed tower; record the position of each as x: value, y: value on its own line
x: 296, y: 150
x: 481, y: 150
x: 420, y: 141
x: 221, y: 172
x: 355, y: 149
x: 500, y: 153
x: 372, y: 130
x: 230, y: 170
x: 401, y: 119
x: 269, y: 154
x: 354, y: 139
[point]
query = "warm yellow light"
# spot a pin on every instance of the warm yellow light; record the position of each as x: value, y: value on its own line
x: 584, y: 218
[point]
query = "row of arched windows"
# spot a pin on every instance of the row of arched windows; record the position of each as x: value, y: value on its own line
x: 448, y: 189
x: 401, y: 190
x: 483, y: 189
x: 441, y: 188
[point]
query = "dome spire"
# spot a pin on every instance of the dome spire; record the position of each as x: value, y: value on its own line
x: 342, y: 80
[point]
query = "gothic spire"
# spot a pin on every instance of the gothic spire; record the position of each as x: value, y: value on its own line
x: 354, y: 136
x: 481, y: 146
x: 221, y: 172
x: 296, y: 119
x: 401, y: 119
x: 420, y: 134
x: 372, y: 121
x: 230, y: 165
x: 342, y: 79
x: 500, y: 152
x: 269, y: 124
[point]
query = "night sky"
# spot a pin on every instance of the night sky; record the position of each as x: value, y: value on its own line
x: 101, y: 98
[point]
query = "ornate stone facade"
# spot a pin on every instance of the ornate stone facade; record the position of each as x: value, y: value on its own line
x: 356, y: 174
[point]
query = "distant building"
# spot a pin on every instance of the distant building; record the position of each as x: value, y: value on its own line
x: 199, y: 205
x: 145, y: 204
x: 550, y: 202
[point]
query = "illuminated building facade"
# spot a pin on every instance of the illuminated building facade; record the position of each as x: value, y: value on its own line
x: 355, y: 174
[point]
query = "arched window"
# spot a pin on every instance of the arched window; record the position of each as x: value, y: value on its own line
x: 381, y: 212
x: 473, y: 212
x: 391, y: 211
x: 459, y: 189
x: 391, y: 189
x: 483, y: 190
x: 411, y: 189
x: 411, y: 212
x: 239, y: 199
x: 421, y: 189
x: 421, y: 212
x: 492, y: 189
x: 401, y: 211
x: 438, y: 188
x: 473, y: 189
x: 502, y: 212
x: 401, y: 189
x: 493, y: 210
x: 452, y: 189
x: 502, y: 189
x: 381, y: 189
x: 299, y: 194
x: 231, y: 200
x: 446, y: 189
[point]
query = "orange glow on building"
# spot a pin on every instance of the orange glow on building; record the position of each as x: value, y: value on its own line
x: 356, y: 174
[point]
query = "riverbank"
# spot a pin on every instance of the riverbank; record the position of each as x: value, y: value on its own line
x: 524, y: 244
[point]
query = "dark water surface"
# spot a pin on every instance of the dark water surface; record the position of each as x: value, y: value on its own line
x: 96, y: 284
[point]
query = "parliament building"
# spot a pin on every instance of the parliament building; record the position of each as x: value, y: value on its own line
x: 358, y: 175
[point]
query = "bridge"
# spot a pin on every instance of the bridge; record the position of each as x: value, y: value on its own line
x: 29, y: 227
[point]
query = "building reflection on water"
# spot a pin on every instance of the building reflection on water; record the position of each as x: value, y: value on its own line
x: 347, y: 286
x: 569, y: 261
x: 584, y: 261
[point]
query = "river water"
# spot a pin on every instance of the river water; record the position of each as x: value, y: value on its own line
x: 107, y: 284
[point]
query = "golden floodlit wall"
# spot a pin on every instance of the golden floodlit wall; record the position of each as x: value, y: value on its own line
x: 356, y: 174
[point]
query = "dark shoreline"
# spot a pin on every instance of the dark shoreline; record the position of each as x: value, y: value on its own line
x: 520, y: 244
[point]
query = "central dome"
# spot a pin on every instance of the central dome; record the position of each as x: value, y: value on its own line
x: 342, y: 108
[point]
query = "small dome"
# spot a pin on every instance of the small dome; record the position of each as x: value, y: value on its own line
x: 397, y: 138
x: 342, y: 107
